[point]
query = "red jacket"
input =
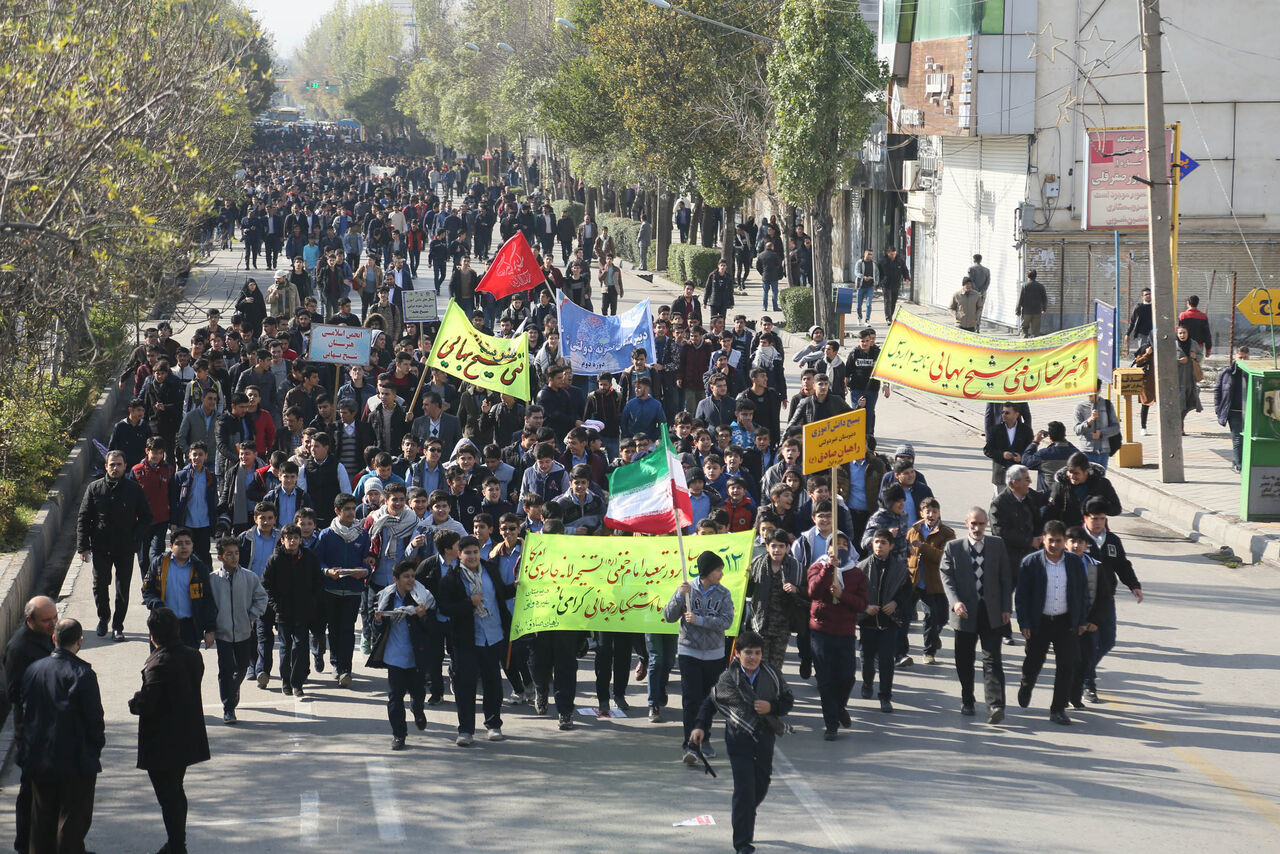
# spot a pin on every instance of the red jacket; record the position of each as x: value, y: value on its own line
x: 836, y: 618
x: 155, y: 481
x: 264, y: 434
x: 742, y: 516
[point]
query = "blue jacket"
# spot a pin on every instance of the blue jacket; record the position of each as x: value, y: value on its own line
x: 180, y: 494
x: 642, y: 416
x: 1029, y: 592
x: 332, y: 551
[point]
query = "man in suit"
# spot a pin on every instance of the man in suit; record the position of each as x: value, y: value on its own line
x: 1005, y: 443
x: 978, y: 579
x: 274, y: 227
x: 30, y: 643
x: 62, y: 740
x: 1052, y: 604
x: 171, y: 731
x: 435, y: 423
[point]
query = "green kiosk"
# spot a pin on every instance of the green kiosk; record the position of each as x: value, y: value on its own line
x: 1260, y: 482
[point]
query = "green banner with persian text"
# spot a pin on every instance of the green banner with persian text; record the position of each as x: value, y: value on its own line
x: 617, y: 584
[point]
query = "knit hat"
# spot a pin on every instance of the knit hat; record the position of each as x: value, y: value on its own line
x: 906, y: 449
x: 373, y: 484
x: 709, y: 562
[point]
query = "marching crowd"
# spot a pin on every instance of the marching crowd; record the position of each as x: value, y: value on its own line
x: 265, y: 498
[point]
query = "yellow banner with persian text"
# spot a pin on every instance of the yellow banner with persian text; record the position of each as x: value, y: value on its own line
x: 835, y: 441
x: 495, y: 364
x: 928, y: 356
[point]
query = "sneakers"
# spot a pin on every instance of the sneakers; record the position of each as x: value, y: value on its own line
x: 365, y: 649
x: 866, y: 692
x: 655, y: 715
x: 397, y: 743
x: 690, y: 758
x: 464, y: 739
x: 967, y: 709
x: 829, y: 735
x: 344, y: 680
x: 845, y: 720
x: 516, y: 698
x: 420, y: 720
x: 539, y: 703
x: 263, y: 679
x: 299, y: 693
x: 929, y: 658
x: 1060, y: 718
x: 318, y: 661
x: 621, y: 703
x: 1009, y: 641
x: 995, y: 715
x: 118, y: 635
x: 566, y: 722
x: 495, y: 734
x: 102, y: 628
x: 905, y: 661
x: 1091, y: 694
x: 229, y: 717
x: 886, y: 706
x: 707, y: 750
x: 288, y: 689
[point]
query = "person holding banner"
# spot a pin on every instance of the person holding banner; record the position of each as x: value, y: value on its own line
x: 704, y: 610
x: 837, y: 599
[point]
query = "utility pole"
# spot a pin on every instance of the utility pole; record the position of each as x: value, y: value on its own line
x: 1163, y: 298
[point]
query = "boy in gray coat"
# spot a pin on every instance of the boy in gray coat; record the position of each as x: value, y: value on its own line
x: 705, y: 612
x: 241, y: 600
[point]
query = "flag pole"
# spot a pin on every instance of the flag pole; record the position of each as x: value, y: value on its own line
x: 675, y: 513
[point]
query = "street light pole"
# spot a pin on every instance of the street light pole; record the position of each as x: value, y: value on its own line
x: 1163, y: 298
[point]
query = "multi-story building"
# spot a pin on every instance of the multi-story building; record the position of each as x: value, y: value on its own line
x: 990, y: 103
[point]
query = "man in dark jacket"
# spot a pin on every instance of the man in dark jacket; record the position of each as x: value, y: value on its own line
x: 30, y: 643
x: 1005, y: 443
x: 62, y: 740
x: 1228, y: 404
x: 131, y: 433
x: 1114, y: 569
x: 474, y: 598
x: 1075, y: 484
x: 769, y: 265
x: 718, y: 294
x: 1051, y: 599
x: 114, y: 516
x: 1033, y: 299
x: 893, y: 274
x: 294, y: 583
x: 819, y: 405
x: 171, y: 731
x: 163, y: 397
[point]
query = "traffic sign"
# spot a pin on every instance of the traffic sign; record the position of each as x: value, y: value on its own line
x: 1185, y: 165
x: 1258, y: 305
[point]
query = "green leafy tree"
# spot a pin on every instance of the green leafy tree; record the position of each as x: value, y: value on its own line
x: 826, y: 84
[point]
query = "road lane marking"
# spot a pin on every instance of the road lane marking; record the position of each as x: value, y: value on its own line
x: 1220, y: 777
x: 309, y: 818
x: 812, y: 803
x: 385, y: 811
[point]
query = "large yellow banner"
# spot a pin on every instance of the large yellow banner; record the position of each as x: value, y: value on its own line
x: 928, y: 356
x: 496, y: 364
x: 617, y: 584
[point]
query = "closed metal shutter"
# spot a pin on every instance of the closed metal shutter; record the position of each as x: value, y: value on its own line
x: 981, y: 184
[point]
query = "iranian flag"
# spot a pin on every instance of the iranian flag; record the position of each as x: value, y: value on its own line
x: 650, y: 495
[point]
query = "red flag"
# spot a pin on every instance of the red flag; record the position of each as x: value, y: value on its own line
x: 514, y: 269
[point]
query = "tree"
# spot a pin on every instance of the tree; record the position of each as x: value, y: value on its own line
x: 827, y: 85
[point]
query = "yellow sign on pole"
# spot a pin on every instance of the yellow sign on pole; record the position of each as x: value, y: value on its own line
x: 1259, y: 305
x: 835, y: 441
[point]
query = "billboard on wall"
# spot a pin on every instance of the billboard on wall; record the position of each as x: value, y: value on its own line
x: 1115, y: 176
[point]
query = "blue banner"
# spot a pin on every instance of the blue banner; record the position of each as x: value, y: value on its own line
x: 594, y: 343
x: 1105, y: 315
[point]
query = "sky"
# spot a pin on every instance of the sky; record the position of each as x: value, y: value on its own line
x: 288, y: 20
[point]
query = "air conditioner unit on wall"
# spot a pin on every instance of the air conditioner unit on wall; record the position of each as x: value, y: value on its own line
x: 910, y: 174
